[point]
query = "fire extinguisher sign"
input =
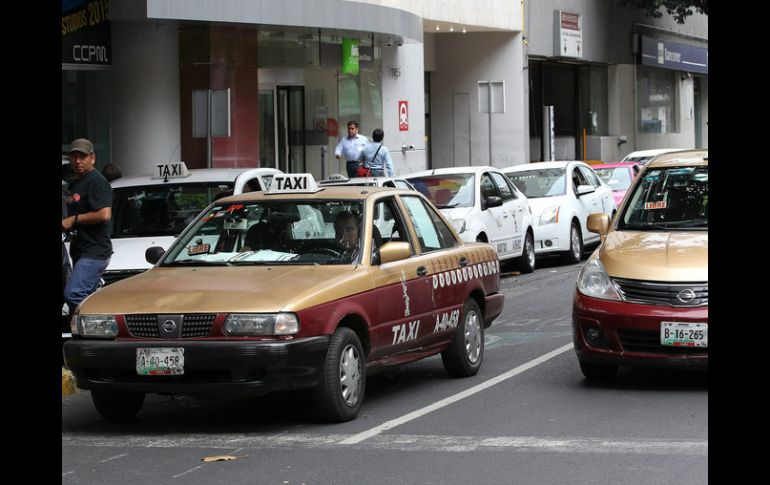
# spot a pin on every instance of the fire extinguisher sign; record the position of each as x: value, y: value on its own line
x: 403, y: 116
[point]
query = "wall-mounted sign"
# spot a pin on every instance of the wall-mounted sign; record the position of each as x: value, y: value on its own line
x: 349, y: 56
x: 403, y: 116
x: 670, y: 55
x: 568, y: 35
x: 85, y: 32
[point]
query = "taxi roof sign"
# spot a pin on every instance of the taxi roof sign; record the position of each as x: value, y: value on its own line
x: 171, y: 171
x: 292, y: 183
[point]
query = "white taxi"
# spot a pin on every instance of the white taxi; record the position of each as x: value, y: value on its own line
x: 483, y: 206
x: 151, y: 210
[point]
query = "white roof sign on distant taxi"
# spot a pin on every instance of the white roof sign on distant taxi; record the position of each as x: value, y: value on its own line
x: 290, y: 183
x: 171, y: 170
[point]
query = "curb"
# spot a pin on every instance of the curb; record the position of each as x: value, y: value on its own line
x: 67, y: 383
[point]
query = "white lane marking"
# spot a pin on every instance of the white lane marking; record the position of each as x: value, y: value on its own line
x: 114, y: 457
x: 188, y: 471
x: 67, y: 473
x: 453, y: 399
x: 403, y: 442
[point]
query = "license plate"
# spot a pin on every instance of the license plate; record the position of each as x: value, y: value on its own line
x: 678, y: 334
x: 160, y: 361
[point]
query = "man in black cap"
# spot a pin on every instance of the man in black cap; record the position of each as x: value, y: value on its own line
x: 90, y: 214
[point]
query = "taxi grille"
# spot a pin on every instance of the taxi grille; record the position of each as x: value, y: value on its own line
x: 146, y: 326
x: 663, y: 293
x: 648, y: 341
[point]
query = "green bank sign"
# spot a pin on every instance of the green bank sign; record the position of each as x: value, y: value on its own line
x: 349, y: 56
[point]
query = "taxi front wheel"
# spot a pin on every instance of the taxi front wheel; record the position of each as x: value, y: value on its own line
x: 463, y: 356
x: 117, y: 406
x: 341, y: 388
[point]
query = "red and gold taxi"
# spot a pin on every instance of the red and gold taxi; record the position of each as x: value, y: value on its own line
x: 298, y: 287
x: 642, y: 296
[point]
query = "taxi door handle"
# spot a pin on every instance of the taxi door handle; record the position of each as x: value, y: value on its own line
x: 463, y: 262
x: 422, y: 271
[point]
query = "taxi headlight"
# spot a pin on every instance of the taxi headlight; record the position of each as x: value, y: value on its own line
x: 593, y: 281
x: 244, y: 324
x: 459, y: 225
x: 96, y: 326
x: 549, y: 215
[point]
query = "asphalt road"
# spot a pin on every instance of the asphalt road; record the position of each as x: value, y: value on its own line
x: 528, y: 417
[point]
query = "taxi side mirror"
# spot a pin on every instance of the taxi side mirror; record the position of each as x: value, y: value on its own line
x: 153, y: 254
x: 599, y: 224
x: 394, y: 251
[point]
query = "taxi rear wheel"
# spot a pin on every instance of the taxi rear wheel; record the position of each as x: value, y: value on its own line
x: 117, y: 406
x: 464, y: 355
x: 341, y: 388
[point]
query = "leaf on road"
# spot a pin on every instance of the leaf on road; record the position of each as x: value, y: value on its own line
x: 209, y: 459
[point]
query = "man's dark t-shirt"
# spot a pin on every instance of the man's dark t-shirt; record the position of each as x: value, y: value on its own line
x: 90, y: 193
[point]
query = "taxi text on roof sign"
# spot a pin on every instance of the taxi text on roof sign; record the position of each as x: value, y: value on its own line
x: 171, y: 170
x: 293, y: 183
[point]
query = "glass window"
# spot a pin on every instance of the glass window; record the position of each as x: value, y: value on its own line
x: 618, y: 178
x: 272, y: 232
x: 86, y: 111
x: 161, y: 210
x: 657, y: 100
x: 487, y: 187
x: 432, y: 233
x: 540, y: 183
x: 502, y: 185
x: 447, y: 191
x: 669, y: 199
x: 590, y: 176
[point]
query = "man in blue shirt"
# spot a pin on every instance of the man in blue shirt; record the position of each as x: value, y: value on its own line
x: 376, y: 156
x: 349, y: 148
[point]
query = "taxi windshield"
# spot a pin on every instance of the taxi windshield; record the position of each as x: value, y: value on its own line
x: 161, y: 210
x: 546, y: 182
x: 272, y: 232
x: 447, y: 191
x: 669, y: 198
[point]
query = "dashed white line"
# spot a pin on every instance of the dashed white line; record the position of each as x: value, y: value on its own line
x: 188, y: 471
x: 114, y: 457
x: 453, y: 399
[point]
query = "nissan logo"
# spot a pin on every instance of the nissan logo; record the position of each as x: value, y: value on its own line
x: 169, y: 326
x: 686, y: 296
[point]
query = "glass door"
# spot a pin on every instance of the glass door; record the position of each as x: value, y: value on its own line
x: 291, y: 128
x: 267, y: 138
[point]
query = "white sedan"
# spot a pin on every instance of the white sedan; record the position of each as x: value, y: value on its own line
x: 151, y: 210
x: 483, y: 206
x: 562, y: 195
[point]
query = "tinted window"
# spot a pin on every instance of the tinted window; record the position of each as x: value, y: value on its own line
x: 502, y: 185
x: 590, y: 176
x: 488, y: 188
x: 668, y: 199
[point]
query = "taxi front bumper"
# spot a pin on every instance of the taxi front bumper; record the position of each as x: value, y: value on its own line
x: 210, y: 367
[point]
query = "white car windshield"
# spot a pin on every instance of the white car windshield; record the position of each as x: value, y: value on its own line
x: 447, y: 191
x: 272, y: 232
x: 669, y: 199
x: 546, y: 182
x: 618, y: 178
x: 161, y: 210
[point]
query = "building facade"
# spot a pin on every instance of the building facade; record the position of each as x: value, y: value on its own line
x: 231, y: 83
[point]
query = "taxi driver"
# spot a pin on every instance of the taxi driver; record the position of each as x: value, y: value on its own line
x: 346, y: 234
